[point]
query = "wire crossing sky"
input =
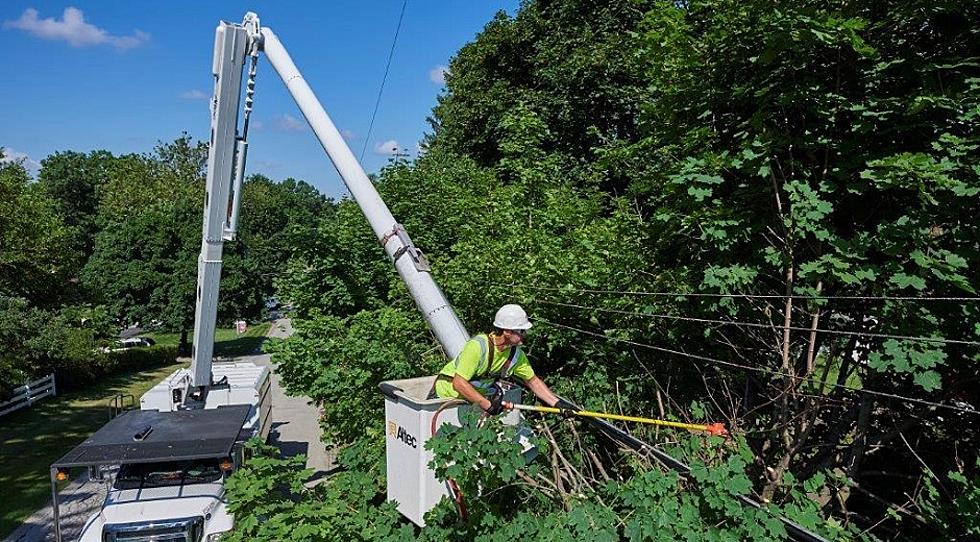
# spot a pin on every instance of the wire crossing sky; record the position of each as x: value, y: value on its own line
x: 122, y: 76
x: 381, y: 89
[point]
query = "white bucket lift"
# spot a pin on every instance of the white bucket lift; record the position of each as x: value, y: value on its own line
x: 408, y: 426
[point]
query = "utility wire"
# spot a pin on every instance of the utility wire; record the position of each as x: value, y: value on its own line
x: 745, y: 296
x: 384, y: 79
x: 765, y: 326
x: 757, y: 369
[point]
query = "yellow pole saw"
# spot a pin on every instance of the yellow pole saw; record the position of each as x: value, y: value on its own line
x: 711, y: 428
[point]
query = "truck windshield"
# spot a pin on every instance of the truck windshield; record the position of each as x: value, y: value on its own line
x: 172, y: 473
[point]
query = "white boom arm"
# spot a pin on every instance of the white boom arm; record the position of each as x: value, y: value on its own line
x: 234, y: 43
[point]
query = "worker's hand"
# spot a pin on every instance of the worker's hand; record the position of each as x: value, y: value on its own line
x: 565, y: 405
x: 567, y: 409
x: 496, y: 404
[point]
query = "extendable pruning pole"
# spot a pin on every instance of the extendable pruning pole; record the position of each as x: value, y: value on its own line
x: 711, y: 429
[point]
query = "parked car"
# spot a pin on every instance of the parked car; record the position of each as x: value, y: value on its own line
x: 134, y: 342
x: 129, y: 342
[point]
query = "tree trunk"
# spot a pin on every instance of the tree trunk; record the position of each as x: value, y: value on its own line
x: 860, y: 439
x: 811, y: 348
x: 789, y: 384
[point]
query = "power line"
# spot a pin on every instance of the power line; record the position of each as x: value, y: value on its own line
x: 757, y: 369
x: 739, y: 295
x: 765, y: 326
x: 377, y: 102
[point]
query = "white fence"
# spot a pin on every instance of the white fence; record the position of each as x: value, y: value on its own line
x: 29, y: 394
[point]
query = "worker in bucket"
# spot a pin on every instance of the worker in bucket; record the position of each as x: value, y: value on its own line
x: 491, y: 358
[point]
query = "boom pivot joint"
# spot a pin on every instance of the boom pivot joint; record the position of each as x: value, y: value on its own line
x: 407, y: 247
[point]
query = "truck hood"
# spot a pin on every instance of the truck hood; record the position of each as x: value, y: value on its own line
x: 127, y: 505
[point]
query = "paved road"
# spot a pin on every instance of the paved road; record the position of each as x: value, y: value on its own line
x: 295, y: 429
x: 295, y: 423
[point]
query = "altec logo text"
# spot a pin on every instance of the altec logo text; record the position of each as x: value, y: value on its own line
x: 402, y: 435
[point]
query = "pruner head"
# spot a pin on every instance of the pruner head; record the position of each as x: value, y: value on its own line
x: 717, y: 429
x: 251, y: 21
x: 251, y: 24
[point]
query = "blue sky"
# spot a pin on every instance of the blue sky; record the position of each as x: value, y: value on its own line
x: 123, y: 75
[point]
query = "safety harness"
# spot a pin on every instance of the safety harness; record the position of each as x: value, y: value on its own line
x: 490, y: 350
x: 486, y: 361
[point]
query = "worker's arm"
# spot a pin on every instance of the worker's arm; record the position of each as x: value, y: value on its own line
x: 469, y: 393
x: 541, y: 390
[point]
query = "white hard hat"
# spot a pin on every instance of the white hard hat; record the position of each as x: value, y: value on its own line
x: 511, y: 316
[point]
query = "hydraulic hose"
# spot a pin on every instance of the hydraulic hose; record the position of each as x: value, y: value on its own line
x: 453, y: 487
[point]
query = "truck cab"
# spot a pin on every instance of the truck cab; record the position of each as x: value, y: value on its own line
x: 164, y: 473
x: 180, y: 496
x: 185, y: 498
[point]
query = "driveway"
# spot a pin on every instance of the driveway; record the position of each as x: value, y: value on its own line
x: 295, y: 429
x: 295, y: 422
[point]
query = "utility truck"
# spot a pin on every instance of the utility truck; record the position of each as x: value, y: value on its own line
x: 166, y: 463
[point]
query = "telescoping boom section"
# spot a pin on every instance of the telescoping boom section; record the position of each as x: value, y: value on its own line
x: 234, y: 46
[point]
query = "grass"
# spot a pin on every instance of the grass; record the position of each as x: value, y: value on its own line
x: 228, y: 343
x: 853, y: 380
x: 33, y: 438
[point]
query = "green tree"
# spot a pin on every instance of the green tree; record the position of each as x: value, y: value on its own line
x: 37, y: 342
x: 144, y: 267
x: 277, y: 219
x: 35, y: 253
x: 807, y: 151
x: 74, y: 181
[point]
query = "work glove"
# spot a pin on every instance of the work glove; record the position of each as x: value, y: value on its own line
x: 563, y: 404
x: 567, y: 409
x: 496, y: 404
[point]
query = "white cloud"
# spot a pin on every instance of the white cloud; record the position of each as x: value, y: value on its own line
x: 11, y: 155
x: 348, y: 135
x: 289, y: 123
x: 388, y: 148
x: 255, y: 124
x: 438, y: 74
x: 194, y: 94
x: 73, y: 29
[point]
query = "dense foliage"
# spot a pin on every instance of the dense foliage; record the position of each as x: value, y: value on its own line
x: 33, y: 242
x: 792, y: 186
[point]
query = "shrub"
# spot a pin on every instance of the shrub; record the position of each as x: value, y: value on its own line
x: 77, y: 373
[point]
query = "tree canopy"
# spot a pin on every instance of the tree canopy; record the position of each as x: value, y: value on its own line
x: 732, y: 211
x: 34, y: 245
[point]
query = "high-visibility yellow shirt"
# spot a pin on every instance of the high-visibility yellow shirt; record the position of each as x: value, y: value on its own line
x: 471, y: 364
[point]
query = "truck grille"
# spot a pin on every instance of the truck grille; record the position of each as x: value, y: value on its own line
x: 176, y: 530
